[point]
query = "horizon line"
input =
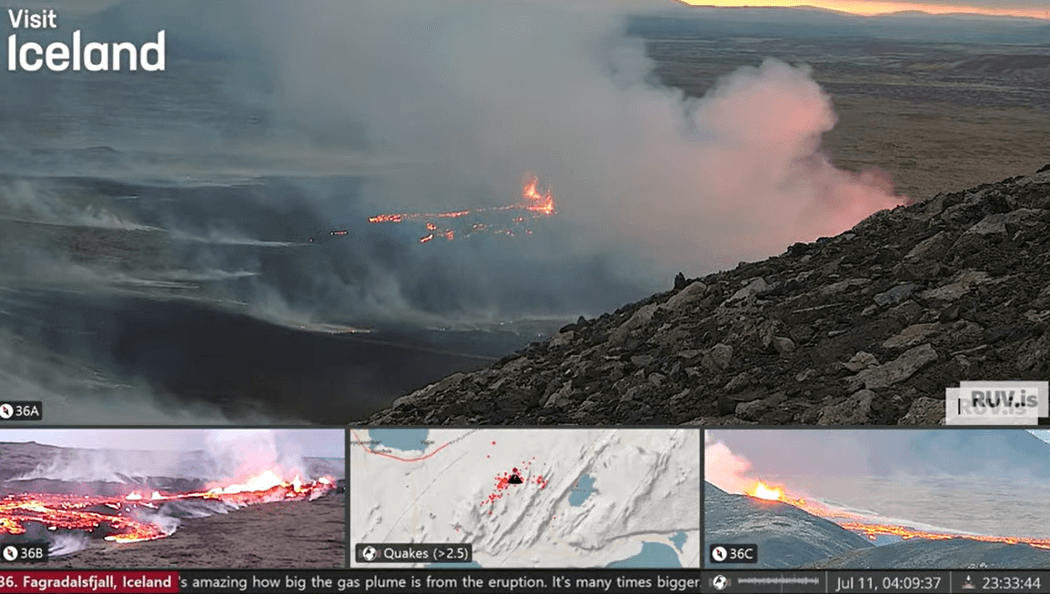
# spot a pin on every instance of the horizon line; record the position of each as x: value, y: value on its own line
x: 868, y: 8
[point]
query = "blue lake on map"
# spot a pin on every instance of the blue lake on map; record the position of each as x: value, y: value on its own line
x: 653, y: 554
x: 406, y: 440
x: 582, y: 490
x: 679, y: 540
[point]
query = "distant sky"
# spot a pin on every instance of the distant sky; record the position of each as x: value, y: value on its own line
x: 324, y: 443
x: 1022, y: 8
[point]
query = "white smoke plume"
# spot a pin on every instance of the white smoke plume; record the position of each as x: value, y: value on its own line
x: 723, y: 468
x: 243, y: 454
x: 464, y: 97
x: 23, y: 201
x: 67, y: 543
x: 84, y: 465
x: 221, y: 455
x: 491, y: 89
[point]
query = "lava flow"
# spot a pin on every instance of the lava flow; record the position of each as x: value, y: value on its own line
x: 534, y: 204
x: 860, y: 525
x: 121, y: 519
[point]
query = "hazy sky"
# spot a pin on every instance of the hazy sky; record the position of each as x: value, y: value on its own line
x: 1025, y: 8
x: 69, y: 7
x: 307, y: 442
x: 735, y: 459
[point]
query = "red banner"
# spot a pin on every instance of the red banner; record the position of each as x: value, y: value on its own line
x: 88, y: 582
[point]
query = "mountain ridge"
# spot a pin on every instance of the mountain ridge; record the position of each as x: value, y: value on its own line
x: 867, y: 327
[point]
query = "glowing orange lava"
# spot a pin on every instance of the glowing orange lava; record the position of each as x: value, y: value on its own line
x: 535, y: 201
x: 125, y: 524
x: 857, y: 523
x: 763, y: 491
x: 536, y: 204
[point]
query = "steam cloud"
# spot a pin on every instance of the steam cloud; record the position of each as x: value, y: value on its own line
x: 223, y: 455
x: 465, y: 97
x: 244, y: 454
x: 723, y: 468
x: 491, y: 89
x: 329, y: 112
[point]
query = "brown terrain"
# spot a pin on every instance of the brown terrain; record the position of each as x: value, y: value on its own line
x: 935, y: 147
x: 937, y: 117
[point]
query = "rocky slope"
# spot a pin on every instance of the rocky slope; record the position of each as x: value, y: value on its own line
x: 787, y: 537
x: 960, y: 553
x: 790, y: 538
x: 868, y: 327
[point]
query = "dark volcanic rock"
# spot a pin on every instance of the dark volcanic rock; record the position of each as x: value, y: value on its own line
x: 868, y: 327
x: 679, y: 281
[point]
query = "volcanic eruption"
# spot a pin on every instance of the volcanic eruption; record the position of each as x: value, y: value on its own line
x: 873, y: 529
x: 133, y: 517
x: 533, y: 205
x: 210, y: 499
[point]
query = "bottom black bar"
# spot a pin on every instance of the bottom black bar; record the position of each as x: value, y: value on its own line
x: 841, y: 581
x: 846, y: 581
x: 444, y: 581
x: 526, y: 581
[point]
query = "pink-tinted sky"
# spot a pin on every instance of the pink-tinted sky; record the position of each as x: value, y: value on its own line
x: 1032, y: 8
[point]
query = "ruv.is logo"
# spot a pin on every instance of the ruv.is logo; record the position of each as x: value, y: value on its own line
x: 997, y: 403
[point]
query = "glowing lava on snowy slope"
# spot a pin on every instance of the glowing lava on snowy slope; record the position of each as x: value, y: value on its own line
x: 533, y: 205
x: 861, y: 525
x: 126, y: 518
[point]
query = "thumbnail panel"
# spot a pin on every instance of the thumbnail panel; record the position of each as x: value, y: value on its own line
x: 877, y: 499
x: 179, y: 498
x: 525, y: 498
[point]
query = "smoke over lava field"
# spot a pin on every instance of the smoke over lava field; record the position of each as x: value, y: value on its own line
x: 305, y: 216
x: 211, y: 507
